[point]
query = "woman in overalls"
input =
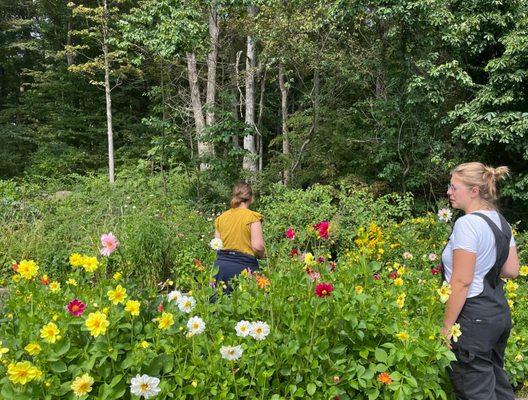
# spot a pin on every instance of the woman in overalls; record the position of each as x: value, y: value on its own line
x: 240, y: 230
x: 480, y: 251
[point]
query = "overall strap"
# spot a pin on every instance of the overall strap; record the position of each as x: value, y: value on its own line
x: 502, y: 246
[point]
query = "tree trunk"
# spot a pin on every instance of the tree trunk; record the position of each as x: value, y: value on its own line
x: 250, y: 159
x: 204, y: 148
x: 262, y: 75
x: 108, y: 97
x: 284, y: 115
x: 214, y: 31
x: 70, y: 57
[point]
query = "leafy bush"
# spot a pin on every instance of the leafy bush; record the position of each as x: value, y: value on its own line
x: 154, y: 217
x: 374, y: 334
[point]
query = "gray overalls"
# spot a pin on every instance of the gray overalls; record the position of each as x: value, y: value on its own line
x: 485, y: 322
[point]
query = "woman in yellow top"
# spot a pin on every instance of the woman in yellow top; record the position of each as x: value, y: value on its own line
x: 240, y: 230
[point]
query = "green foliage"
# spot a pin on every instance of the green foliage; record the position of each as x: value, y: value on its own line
x: 319, y: 347
x: 405, y: 90
x: 347, y: 208
x: 498, y: 112
x: 165, y: 28
x: 153, y: 215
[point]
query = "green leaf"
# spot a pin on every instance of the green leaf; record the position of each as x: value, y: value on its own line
x: 373, y: 394
x: 380, y: 355
x: 58, y: 367
x: 310, y: 389
x: 116, y: 380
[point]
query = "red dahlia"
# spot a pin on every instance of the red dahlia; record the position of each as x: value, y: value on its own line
x: 324, y: 289
x: 322, y: 229
x: 76, y: 307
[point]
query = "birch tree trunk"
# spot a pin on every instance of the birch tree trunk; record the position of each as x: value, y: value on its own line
x: 108, y: 96
x: 284, y: 115
x: 204, y: 148
x: 250, y: 159
x: 70, y: 58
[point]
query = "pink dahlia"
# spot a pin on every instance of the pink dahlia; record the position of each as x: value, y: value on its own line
x: 322, y: 229
x: 109, y: 242
x: 290, y: 233
x: 76, y: 307
x: 324, y: 289
x: 313, y: 275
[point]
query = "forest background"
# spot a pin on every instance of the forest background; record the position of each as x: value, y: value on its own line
x: 389, y: 94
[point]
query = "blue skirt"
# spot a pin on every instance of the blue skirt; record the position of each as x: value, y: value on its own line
x: 231, y: 263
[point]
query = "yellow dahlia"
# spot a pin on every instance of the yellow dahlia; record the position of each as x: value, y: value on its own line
x: 82, y: 385
x: 33, y: 349
x: 132, y: 306
x: 50, y: 333
x: 97, y: 323
x: 28, y: 269
x: 118, y: 295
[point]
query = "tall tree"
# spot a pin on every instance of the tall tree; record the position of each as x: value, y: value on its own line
x: 284, y: 117
x: 250, y: 162
x: 186, y: 30
x: 96, y: 53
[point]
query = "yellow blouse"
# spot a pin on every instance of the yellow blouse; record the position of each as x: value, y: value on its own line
x: 233, y: 226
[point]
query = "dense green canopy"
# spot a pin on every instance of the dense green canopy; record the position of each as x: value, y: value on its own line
x: 388, y: 92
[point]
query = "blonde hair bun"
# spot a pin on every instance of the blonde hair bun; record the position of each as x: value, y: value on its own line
x: 498, y: 173
x: 476, y: 174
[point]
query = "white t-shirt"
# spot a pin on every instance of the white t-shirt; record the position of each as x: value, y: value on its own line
x: 472, y: 233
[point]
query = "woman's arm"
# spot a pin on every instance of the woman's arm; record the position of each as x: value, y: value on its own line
x: 510, y: 269
x: 217, y: 234
x: 257, y: 239
x: 463, y: 271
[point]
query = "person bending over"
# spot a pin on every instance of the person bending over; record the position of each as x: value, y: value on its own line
x: 240, y: 230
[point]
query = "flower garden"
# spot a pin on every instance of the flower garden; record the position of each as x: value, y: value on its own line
x: 338, y: 311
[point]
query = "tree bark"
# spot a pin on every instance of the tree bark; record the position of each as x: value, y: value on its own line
x: 108, y: 96
x: 70, y: 57
x: 284, y: 115
x: 204, y: 148
x: 250, y: 158
x: 212, y: 57
x: 262, y: 77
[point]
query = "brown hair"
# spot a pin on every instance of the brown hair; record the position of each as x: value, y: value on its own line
x: 242, y: 193
x: 476, y: 174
